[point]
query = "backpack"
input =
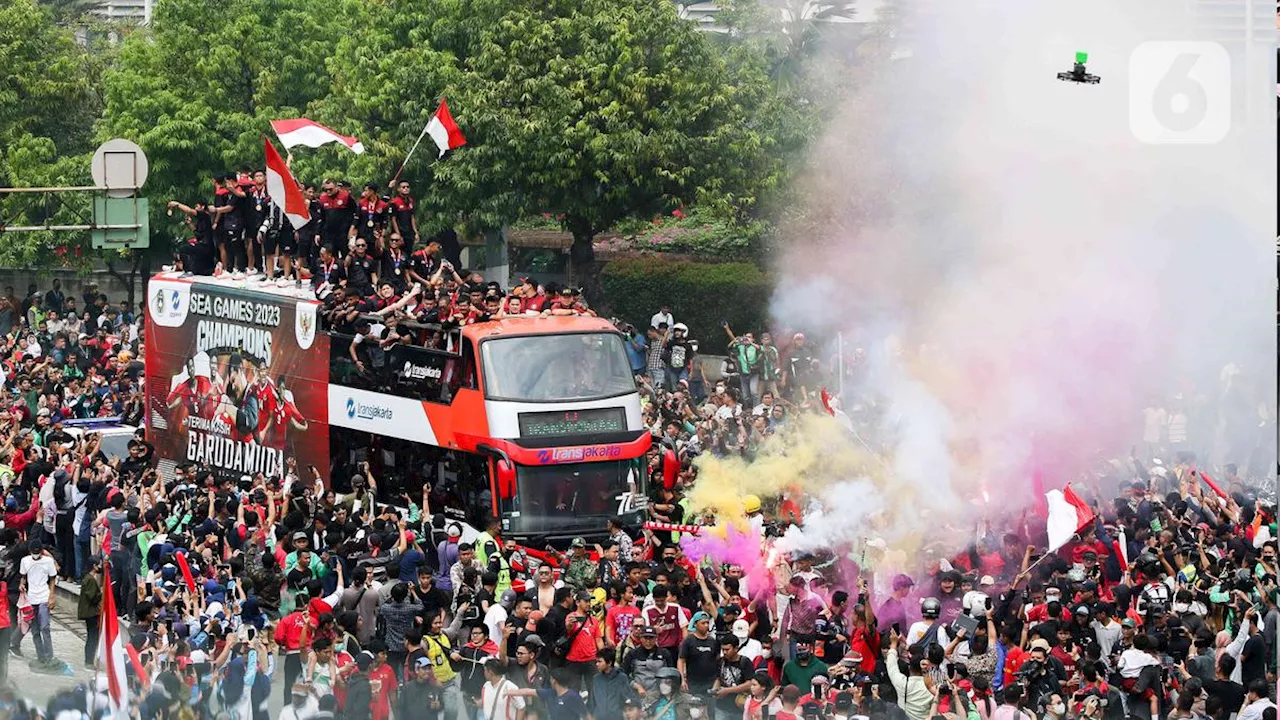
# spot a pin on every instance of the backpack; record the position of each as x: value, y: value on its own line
x: 60, y: 483
x: 920, y: 648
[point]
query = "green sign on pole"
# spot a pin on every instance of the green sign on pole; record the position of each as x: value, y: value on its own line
x: 120, y: 223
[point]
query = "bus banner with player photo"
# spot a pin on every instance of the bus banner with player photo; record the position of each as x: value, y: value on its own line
x: 236, y: 381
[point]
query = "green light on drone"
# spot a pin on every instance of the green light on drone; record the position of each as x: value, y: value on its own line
x: 1082, y: 57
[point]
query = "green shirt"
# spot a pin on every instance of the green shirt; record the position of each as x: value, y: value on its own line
x: 318, y: 568
x: 793, y: 673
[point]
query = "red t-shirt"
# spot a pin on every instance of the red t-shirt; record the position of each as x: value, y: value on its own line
x: 1012, y: 662
x: 583, y: 647
x: 382, y: 698
x: 620, y: 618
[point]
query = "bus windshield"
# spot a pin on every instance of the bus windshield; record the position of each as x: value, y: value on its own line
x: 569, y: 498
x: 549, y: 368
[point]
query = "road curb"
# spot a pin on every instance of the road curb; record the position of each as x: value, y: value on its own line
x: 68, y: 590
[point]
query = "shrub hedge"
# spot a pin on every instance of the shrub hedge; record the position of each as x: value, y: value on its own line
x: 701, y: 295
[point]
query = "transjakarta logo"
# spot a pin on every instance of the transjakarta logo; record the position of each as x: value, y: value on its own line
x: 419, y: 372
x: 578, y: 454
x: 367, y: 412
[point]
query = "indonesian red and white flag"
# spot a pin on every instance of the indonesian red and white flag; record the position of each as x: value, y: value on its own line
x: 301, y: 131
x: 1121, y: 546
x: 444, y: 131
x: 111, y: 650
x: 284, y: 190
x: 1068, y: 515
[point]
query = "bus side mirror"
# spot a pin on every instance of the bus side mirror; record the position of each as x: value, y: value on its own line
x: 506, y: 479
x: 670, y: 468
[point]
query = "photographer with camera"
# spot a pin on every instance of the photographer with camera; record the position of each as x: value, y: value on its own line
x: 1041, y: 674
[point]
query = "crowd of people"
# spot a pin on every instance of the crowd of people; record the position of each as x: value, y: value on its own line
x: 237, y: 593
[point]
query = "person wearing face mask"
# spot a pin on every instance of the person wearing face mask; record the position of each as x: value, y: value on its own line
x: 671, y: 703
x: 1055, y: 708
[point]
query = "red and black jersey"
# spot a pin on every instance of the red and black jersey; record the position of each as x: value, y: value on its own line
x: 537, y: 303
x: 373, y: 212
x: 338, y: 212
x: 402, y: 207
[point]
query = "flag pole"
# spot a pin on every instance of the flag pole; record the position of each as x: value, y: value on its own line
x: 417, y: 142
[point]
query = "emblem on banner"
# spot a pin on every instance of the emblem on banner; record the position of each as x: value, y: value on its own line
x: 304, y: 324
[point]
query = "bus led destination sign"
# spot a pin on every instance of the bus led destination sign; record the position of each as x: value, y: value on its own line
x: 572, y: 422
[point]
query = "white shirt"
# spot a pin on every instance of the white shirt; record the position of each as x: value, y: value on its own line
x: 38, y: 571
x: 495, y: 619
x: 497, y: 703
x: 920, y: 627
x: 1254, y: 710
x: 661, y: 317
x: 309, y: 708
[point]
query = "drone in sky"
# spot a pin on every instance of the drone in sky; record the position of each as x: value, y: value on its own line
x: 1079, y: 74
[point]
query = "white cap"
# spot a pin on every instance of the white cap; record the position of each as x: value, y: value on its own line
x: 741, y: 628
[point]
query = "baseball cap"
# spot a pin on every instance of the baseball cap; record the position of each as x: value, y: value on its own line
x: 299, y: 535
x: 423, y: 662
x: 455, y: 531
x: 579, y: 542
x: 1040, y: 644
x: 648, y: 631
x: 1129, y: 623
x: 741, y: 629
x: 700, y: 615
x: 1082, y: 610
x: 901, y: 581
x: 986, y: 581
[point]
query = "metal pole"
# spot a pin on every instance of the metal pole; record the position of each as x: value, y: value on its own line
x: 6, y: 191
x: 33, y: 228
x: 421, y: 135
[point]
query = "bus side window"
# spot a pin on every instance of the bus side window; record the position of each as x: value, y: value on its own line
x: 468, y: 378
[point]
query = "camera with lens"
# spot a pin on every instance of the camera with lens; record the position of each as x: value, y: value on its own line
x: 1030, y: 669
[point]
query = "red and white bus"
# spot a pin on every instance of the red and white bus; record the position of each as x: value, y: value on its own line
x: 533, y: 420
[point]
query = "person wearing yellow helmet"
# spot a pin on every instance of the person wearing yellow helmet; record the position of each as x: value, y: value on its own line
x: 751, y: 506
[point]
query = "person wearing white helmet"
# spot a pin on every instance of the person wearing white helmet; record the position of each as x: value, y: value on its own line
x: 929, y: 630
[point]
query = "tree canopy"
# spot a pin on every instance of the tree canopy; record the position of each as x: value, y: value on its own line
x: 590, y: 110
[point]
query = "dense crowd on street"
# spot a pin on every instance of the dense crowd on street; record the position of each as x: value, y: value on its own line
x: 347, y: 603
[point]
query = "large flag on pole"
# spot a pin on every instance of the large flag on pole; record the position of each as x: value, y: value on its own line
x: 444, y: 131
x: 284, y: 190
x: 111, y: 650
x: 301, y: 131
x: 1068, y: 515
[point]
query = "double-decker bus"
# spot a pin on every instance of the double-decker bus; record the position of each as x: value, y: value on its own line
x: 532, y: 420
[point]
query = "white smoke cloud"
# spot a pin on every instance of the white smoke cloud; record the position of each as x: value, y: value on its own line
x: 1061, y: 272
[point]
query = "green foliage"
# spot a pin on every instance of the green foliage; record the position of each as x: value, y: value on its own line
x: 48, y: 106
x: 45, y: 88
x: 198, y: 89
x: 591, y: 110
x: 701, y: 295
x: 698, y: 232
